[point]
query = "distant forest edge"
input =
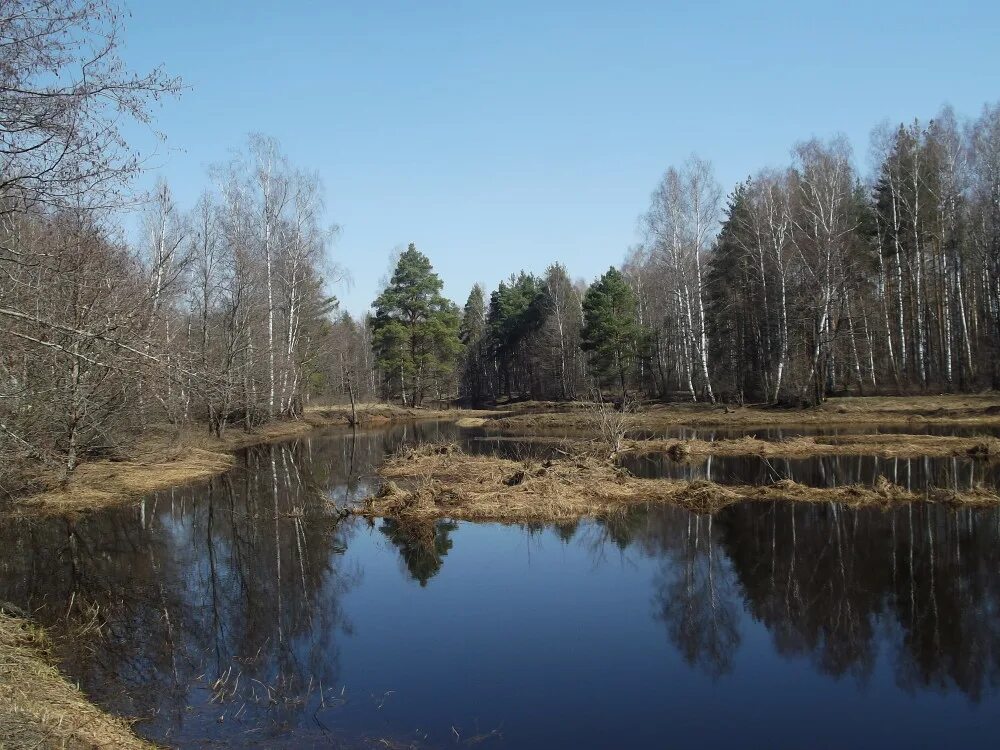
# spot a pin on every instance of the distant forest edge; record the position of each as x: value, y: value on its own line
x: 811, y: 279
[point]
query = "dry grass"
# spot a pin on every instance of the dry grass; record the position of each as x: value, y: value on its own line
x: 39, y: 708
x: 102, y: 483
x: 440, y: 481
x: 884, y: 446
x: 378, y: 413
x: 169, y: 456
x: 955, y: 410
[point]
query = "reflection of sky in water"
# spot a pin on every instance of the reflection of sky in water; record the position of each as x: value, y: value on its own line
x: 768, y: 625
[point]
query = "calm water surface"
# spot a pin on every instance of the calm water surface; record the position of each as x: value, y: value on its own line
x: 915, y: 474
x: 238, y: 613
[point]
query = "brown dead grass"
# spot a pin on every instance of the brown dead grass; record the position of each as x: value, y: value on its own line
x: 886, y: 411
x: 378, y: 413
x: 441, y: 481
x: 884, y: 446
x: 169, y: 457
x: 39, y: 708
x: 102, y: 483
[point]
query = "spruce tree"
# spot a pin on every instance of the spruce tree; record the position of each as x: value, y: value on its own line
x: 611, y: 330
x: 473, y: 382
x: 739, y: 348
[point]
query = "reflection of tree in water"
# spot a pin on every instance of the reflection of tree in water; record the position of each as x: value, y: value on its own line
x: 566, y: 530
x: 833, y: 585
x: 696, y: 601
x: 693, y: 590
x: 421, y: 544
x: 233, y: 584
x: 800, y: 568
x: 239, y: 580
x: 823, y: 579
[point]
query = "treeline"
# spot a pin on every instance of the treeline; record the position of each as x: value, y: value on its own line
x: 217, y: 315
x: 524, y: 341
x: 811, y: 280
x: 826, y: 282
x: 821, y: 281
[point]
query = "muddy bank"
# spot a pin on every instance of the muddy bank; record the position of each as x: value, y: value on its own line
x: 883, y: 446
x: 171, y: 456
x: 39, y: 708
x: 440, y: 481
x: 886, y: 411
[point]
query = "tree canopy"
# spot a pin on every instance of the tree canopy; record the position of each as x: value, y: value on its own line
x: 611, y: 330
x: 415, y: 331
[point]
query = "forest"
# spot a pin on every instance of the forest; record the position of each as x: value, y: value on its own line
x: 809, y: 279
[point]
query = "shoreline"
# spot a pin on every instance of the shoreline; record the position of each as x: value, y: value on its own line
x: 173, y: 457
x: 949, y: 410
x: 440, y: 481
x: 891, y: 445
x: 40, y: 708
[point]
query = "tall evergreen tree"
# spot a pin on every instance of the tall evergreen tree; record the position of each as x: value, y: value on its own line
x: 474, y: 379
x: 738, y: 338
x: 415, y: 337
x: 517, y: 310
x: 611, y: 330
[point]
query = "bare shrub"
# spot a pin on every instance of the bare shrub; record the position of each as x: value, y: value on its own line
x: 614, y: 421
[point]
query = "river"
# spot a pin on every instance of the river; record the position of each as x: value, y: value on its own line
x: 240, y: 613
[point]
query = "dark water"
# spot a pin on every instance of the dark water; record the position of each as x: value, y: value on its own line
x: 239, y: 613
x: 915, y: 474
x: 785, y: 432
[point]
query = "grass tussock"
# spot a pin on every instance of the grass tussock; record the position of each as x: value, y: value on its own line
x: 883, y: 446
x: 39, y: 708
x: 437, y: 481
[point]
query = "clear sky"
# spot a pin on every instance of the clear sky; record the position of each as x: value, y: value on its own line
x: 506, y: 135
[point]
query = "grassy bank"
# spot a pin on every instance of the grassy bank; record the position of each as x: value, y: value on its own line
x: 443, y: 482
x: 968, y: 410
x: 39, y: 708
x: 890, y: 445
x: 884, y: 446
x: 170, y: 456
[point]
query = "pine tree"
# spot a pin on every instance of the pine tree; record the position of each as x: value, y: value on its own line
x: 415, y: 337
x: 517, y: 310
x: 474, y: 381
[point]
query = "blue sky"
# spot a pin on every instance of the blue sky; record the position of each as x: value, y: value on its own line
x: 508, y: 135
